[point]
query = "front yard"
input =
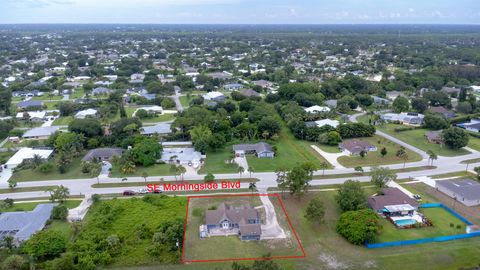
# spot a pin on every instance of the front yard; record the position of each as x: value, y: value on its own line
x: 215, y: 162
x: 154, y: 170
x: 374, y: 158
x: 73, y: 172
x: 31, y: 205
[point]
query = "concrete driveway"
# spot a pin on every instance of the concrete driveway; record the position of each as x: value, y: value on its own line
x: 272, y: 229
x: 330, y: 157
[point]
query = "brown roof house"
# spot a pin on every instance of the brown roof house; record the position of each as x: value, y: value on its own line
x: 434, y: 136
x: 392, y: 198
x: 355, y: 147
x: 241, y: 220
x: 443, y: 111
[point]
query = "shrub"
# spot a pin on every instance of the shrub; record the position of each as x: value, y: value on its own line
x: 46, y: 167
x: 60, y: 212
x: 358, y: 226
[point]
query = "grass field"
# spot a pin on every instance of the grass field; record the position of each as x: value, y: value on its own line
x: 185, y: 101
x: 375, y: 158
x: 215, y: 162
x: 29, y: 206
x: 440, y: 218
x: 232, y: 246
x: 73, y: 172
x: 329, y: 148
x: 5, y: 156
x: 63, y: 121
x: 24, y: 189
x: 154, y: 170
x: 416, y: 138
x: 290, y: 152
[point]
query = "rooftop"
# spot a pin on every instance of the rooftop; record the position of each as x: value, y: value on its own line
x: 466, y: 188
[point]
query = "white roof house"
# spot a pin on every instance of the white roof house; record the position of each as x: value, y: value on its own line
x: 317, y: 109
x: 86, y: 113
x: 40, y: 132
x: 27, y: 153
x: 330, y: 122
x: 150, y: 109
x: 214, y: 95
x: 33, y: 114
x: 182, y: 155
x: 161, y: 128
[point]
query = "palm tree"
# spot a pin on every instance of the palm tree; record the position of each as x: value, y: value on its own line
x: 36, y: 161
x: 323, y: 167
x: 431, y: 156
x: 95, y: 171
x: 174, y: 170
x: 145, y: 175
x: 181, y: 170
x: 252, y: 186
x: 250, y: 170
x: 403, y: 155
x: 240, y: 170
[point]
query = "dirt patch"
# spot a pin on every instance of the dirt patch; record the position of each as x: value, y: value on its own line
x: 278, y: 243
x: 332, y: 262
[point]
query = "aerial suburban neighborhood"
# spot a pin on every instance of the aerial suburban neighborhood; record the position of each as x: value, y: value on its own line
x: 263, y: 146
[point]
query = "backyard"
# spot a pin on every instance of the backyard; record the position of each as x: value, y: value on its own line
x: 375, y: 158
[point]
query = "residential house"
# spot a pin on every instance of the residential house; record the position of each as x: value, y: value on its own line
x: 324, y: 122
x: 451, y: 90
x: 102, y: 154
x: 27, y: 153
x: 354, y: 147
x: 28, y: 104
x: 392, y: 95
x: 249, y: 93
x: 473, y: 125
x: 434, y: 136
x: 261, y: 150
x: 150, y: 109
x: 88, y: 113
x: 220, y: 75
x: 158, y: 129
x: 443, y: 111
x: 182, y: 155
x: 465, y: 191
x: 396, y: 206
x: 381, y: 101
x: 23, y: 224
x: 40, y: 133
x: 34, y: 116
x: 233, y: 86
x: 263, y: 83
x: 101, y: 91
x: 331, y: 103
x: 214, y: 96
x: 317, y: 109
x: 241, y: 220
x: 411, y: 119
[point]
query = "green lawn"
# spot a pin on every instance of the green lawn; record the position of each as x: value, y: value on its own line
x: 375, y: 158
x: 77, y: 93
x: 5, y: 156
x: 416, y: 138
x: 159, y: 118
x: 154, y: 170
x: 63, y: 121
x: 24, y: 189
x: 290, y: 152
x: 474, y: 143
x: 329, y: 148
x: 31, y: 205
x: 73, y: 172
x: 24, y: 143
x: 185, y: 101
x: 440, y: 218
x: 51, y: 105
x: 47, y: 98
x: 215, y: 162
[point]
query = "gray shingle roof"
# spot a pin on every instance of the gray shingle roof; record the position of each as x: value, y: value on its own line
x: 21, y: 225
x: 391, y: 196
x: 40, y: 132
x: 162, y: 128
x: 30, y: 103
x: 238, y: 215
x: 465, y: 188
x: 257, y: 147
x: 102, y: 153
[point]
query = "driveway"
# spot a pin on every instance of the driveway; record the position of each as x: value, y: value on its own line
x: 271, y: 230
x: 242, y: 162
x: 330, y: 157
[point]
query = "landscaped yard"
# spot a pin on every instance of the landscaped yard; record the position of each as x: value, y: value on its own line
x: 29, y: 206
x: 154, y: 170
x: 440, y: 218
x: 417, y: 138
x: 231, y: 246
x: 290, y: 152
x: 374, y: 158
x: 73, y: 172
x: 215, y: 162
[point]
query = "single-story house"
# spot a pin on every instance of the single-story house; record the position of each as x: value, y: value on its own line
x: 442, y: 110
x: 27, y: 153
x: 22, y: 225
x: 40, y: 133
x: 182, y: 155
x: 434, y: 136
x: 356, y: 146
x: 102, y: 154
x: 473, y: 125
x: 242, y: 220
x: 263, y: 83
x: 331, y: 103
x: 220, y: 75
x: 233, y: 86
x: 101, y: 91
x: 261, y: 150
x: 34, y: 116
x: 317, y: 109
x: 150, y: 109
x: 380, y: 101
x: 30, y: 104
x: 451, y: 90
x: 329, y: 122
x: 214, y: 96
x: 466, y: 191
x: 160, y: 129
x: 411, y: 119
x: 392, y: 197
x: 392, y: 95
x: 249, y: 93
x: 86, y: 113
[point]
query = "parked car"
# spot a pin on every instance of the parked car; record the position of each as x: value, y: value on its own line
x: 128, y: 193
x: 157, y: 191
x: 142, y: 191
x: 417, y: 197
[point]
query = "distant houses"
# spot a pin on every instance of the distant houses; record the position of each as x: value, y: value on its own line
x: 30, y: 104
x: 214, y: 96
x: 473, y: 125
x: 39, y: 133
x: 233, y: 86
x: 88, y: 113
x: 260, y: 150
x: 317, y: 109
x: 158, y: 129
x: 443, y: 111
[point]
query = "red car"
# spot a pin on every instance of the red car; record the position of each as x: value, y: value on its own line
x: 128, y: 193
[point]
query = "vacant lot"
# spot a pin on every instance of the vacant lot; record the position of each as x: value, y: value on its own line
x: 375, y: 158
x: 154, y: 170
x: 231, y: 246
x: 215, y: 162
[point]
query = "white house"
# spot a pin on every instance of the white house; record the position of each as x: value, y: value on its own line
x: 330, y: 122
x: 150, y: 109
x: 36, y: 116
x: 214, y: 95
x: 27, y: 153
x: 317, y: 109
x: 86, y: 113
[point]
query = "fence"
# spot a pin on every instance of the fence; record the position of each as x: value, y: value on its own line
x: 432, y: 239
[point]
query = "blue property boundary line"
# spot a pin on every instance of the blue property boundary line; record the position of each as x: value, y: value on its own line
x: 433, y: 239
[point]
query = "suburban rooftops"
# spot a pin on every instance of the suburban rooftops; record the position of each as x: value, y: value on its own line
x: 465, y: 188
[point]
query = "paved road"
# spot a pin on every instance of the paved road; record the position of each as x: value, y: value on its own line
x: 176, y: 98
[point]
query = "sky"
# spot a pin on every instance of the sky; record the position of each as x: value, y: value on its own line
x: 242, y: 11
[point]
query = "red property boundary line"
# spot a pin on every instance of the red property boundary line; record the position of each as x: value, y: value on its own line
x: 182, y: 258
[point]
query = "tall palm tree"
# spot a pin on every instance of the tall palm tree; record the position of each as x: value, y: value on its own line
x: 431, y: 156
x: 323, y: 167
x: 251, y: 170
x: 181, y: 171
x: 252, y: 186
x: 145, y: 175
x: 240, y: 170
